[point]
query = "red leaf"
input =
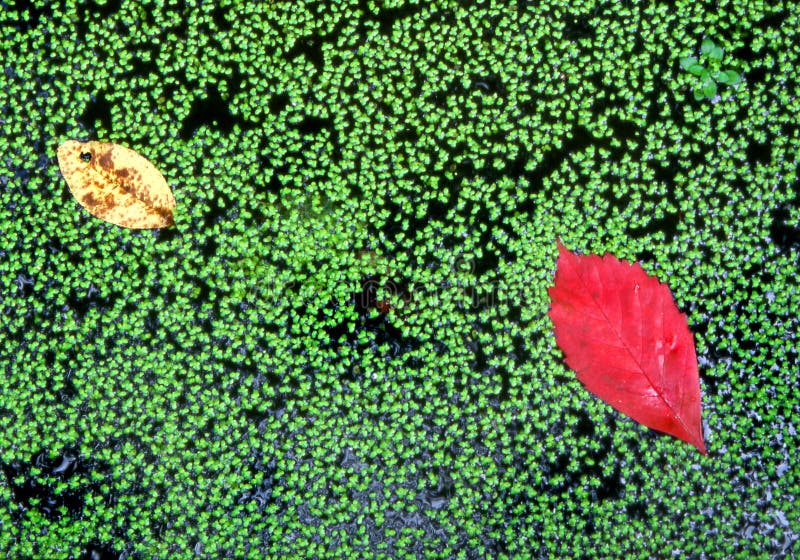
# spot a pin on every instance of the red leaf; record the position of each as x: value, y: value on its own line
x: 630, y: 345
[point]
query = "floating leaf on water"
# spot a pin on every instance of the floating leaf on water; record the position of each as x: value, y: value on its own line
x: 116, y: 184
x: 622, y: 333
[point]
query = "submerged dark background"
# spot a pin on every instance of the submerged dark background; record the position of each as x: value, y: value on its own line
x: 341, y: 349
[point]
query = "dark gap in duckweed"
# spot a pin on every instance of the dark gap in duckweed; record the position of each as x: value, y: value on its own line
x: 209, y: 248
x: 98, y: 110
x: 37, y: 492
x: 220, y: 209
x: 700, y: 224
x: 579, y: 26
x: 80, y: 302
x: 97, y: 550
x: 437, y: 208
x: 165, y: 236
x: 235, y: 78
x: 667, y: 224
x: 261, y: 419
x: 56, y: 247
x: 611, y: 485
x: 273, y: 380
x: 274, y: 185
x: 105, y: 9
x: 409, y: 134
x: 140, y: 66
x: 258, y: 210
x: 625, y: 130
x: 759, y: 152
x: 579, y: 139
x: 210, y: 29
x: 661, y: 67
x: 387, y: 17
x: 245, y: 363
x: 206, y: 322
x: 439, y: 96
x: 745, y: 52
x: 645, y: 256
x: 505, y: 384
x: 21, y: 175
x: 699, y: 156
x: 148, y: 18
x: 13, y: 13
x: 636, y: 510
x: 585, y: 426
x: 373, y: 315
x: 311, y: 125
x: 489, y: 24
x: 784, y: 231
x: 173, y: 88
x: 82, y: 26
x: 310, y: 47
x: 477, y: 213
x: 220, y: 17
x: 211, y: 111
x: 480, y: 361
x: 384, y: 107
x: 439, y: 496
x: 152, y: 322
x: 714, y: 385
x: 772, y: 21
x: 665, y: 172
x: 610, y: 196
x: 9, y: 71
x: 180, y: 25
x: 489, y: 84
x: 552, y: 466
x: 24, y: 283
x: 277, y: 103
x: 605, y: 101
x: 61, y: 376
x: 756, y: 75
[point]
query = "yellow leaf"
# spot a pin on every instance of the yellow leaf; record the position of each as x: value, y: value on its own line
x: 116, y: 184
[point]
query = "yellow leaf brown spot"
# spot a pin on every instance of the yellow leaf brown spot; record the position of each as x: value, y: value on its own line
x: 116, y: 184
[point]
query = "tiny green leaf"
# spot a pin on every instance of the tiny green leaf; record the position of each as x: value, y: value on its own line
x: 697, y: 69
x: 709, y: 88
x: 733, y: 77
x: 707, y: 46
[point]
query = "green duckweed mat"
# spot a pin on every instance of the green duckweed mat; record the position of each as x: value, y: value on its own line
x: 341, y: 349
